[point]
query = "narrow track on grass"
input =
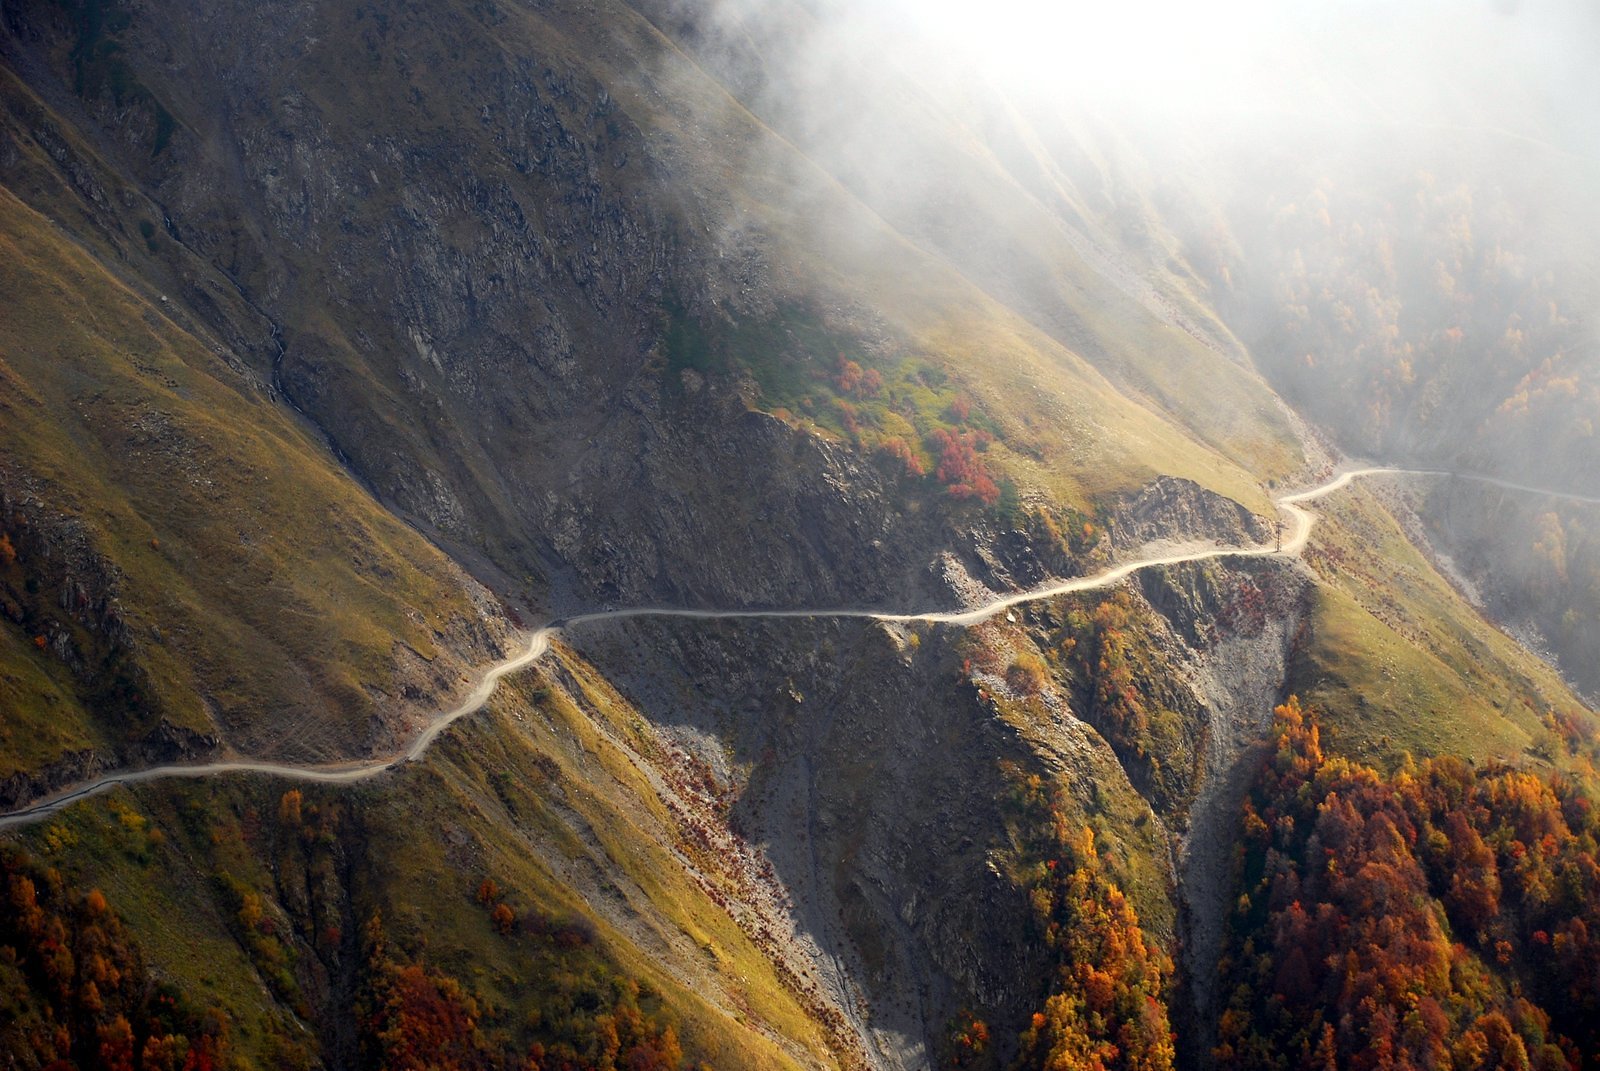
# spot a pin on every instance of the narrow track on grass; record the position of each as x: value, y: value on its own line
x: 1294, y: 540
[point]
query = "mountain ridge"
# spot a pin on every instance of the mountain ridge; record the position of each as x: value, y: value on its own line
x: 341, y: 341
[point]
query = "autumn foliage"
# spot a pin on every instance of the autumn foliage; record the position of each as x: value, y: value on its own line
x: 855, y: 381
x: 75, y: 991
x: 414, y: 1014
x: 1101, y: 646
x: 421, y: 1019
x: 289, y: 812
x: 1121, y: 686
x: 1439, y: 917
x: 960, y: 468
x: 899, y: 450
x: 425, y: 1022
x: 1026, y: 675
x: 969, y: 1042
x: 1105, y: 1009
x: 902, y: 409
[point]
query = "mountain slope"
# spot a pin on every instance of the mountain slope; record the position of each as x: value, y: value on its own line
x: 181, y: 571
x: 336, y: 337
x: 473, y: 342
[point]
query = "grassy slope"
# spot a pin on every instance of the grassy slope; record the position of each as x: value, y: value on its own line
x: 277, y: 586
x: 577, y: 804
x: 162, y: 887
x: 545, y: 793
x: 44, y: 717
x: 1071, y: 431
x: 1400, y: 661
x: 930, y: 213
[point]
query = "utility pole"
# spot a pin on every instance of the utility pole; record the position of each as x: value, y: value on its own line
x: 1279, y: 526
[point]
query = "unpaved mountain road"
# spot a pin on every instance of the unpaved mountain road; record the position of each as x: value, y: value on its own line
x: 342, y: 773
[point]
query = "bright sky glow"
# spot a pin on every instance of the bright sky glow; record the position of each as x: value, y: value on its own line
x: 1400, y: 61
x: 1111, y: 48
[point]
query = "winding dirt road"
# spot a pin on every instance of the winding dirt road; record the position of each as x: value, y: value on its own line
x: 342, y: 773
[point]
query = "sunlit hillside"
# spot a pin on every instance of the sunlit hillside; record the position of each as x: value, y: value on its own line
x: 680, y: 534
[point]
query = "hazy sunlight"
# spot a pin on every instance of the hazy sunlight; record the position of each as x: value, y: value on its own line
x: 1151, y: 47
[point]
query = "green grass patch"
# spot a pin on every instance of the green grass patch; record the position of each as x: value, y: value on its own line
x: 885, y: 400
x: 1399, y: 662
x: 538, y: 780
x: 43, y: 715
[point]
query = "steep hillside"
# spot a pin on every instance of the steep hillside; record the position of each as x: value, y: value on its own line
x: 808, y: 863
x: 183, y: 569
x: 335, y: 928
x: 490, y: 268
x: 1015, y: 205
x: 343, y: 344
x: 1443, y: 290
x: 1404, y: 661
x: 626, y: 269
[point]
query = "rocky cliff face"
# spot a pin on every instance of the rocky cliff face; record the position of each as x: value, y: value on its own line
x: 867, y: 764
x: 836, y: 740
x: 447, y: 239
x: 1234, y: 633
x: 474, y: 339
